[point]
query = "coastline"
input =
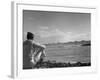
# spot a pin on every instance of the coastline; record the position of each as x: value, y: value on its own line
x: 54, y: 64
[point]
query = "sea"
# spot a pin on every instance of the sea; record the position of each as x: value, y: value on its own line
x: 68, y: 53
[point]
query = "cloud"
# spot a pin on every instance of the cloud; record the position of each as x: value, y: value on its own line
x: 50, y: 35
x: 43, y: 28
x: 55, y: 35
x: 83, y: 36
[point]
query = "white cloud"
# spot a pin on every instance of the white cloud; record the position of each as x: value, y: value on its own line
x: 46, y: 35
x: 50, y: 33
x: 59, y: 35
x: 84, y: 36
x: 43, y: 27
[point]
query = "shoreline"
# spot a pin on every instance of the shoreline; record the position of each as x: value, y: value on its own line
x: 54, y: 64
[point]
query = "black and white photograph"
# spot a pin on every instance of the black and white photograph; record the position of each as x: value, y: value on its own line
x: 54, y: 39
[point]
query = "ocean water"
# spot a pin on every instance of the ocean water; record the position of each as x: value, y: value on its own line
x: 68, y: 53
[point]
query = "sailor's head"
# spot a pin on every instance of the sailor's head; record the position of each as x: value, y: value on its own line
x: 30, y: 36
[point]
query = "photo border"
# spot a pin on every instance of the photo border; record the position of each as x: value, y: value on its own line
x: 17, y: 39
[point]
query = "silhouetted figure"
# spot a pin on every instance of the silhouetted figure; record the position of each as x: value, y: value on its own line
x: 32, y: 52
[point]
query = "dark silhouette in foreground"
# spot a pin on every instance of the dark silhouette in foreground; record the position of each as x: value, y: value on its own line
x: 32, y: 52
x: 54, y: 64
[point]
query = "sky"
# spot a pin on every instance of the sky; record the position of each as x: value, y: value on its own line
x: 53, y: 27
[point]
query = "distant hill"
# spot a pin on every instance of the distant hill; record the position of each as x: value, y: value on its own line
x: 82, y: 43
x: 86, y: 44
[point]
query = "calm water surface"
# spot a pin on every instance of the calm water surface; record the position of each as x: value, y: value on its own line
x: 68, y: 53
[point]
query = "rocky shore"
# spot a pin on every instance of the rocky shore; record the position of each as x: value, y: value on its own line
x: 54, y: 64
